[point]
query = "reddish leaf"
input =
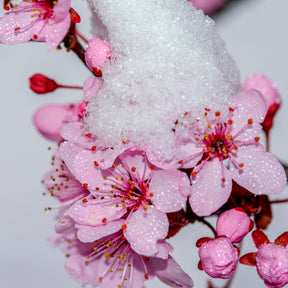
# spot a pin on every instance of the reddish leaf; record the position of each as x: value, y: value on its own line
x: 248, y: 259
x: 282, y: 240
x: 263, y: 219
x: 75, y: 18
x: 259, y: 238
x: 201, y: 241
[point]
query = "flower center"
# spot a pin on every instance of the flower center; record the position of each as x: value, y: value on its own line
x: 219, y: 143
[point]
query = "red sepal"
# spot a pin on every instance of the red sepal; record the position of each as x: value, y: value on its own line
x: 248, y: 259
x: 201, y: 241
x: 75, y: 17
x: 259, y: 238
x: 282, y: 240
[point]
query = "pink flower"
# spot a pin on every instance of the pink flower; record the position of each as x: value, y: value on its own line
x: 229, y: 136
x: 60, y: 183
x: 111, y: 262
x: 271, y: 259
x: 263, y: 84
x: 132, y: 189
x: 96, y: 54
x: 40, y: 20
x: 208, y: 6
x: 234, y: 224
x: 50, y: 118
x: 218, y: 257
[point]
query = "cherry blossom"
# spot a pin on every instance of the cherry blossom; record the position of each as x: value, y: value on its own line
x: 111, y: 262
x: 231, y: 136
x: 41, y: 20
x: 132, y: 189
x: 60, y: 183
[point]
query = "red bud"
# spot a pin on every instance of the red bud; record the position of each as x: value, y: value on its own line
x: 41, y: 84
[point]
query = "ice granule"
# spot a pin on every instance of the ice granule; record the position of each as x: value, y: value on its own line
x: 167, y: 59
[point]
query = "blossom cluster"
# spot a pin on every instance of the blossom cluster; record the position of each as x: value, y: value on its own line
x: 120, y: 203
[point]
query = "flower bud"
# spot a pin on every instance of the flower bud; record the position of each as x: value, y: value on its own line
x: 208, y: 6
x: 234, y: 224
x: 267, y: 88
x: 97, y: 52
x: 50, y: 118
x: 219, y: 257
x: 41, y: 84
x: 272, y: 265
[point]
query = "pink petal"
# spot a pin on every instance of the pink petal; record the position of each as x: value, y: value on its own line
x: 186, y: 152
x: 250, y: 104
x: 85, y: 169
x: 171, y: 273
x: 263, y: 84
x: 145, y: 228
x: 234, y: 224
x: 94, y: 211
x: 68, y: 152
x: 49, y: 119
x: 92, y: 233
x: 84, y: 274
x: 74, y: 132
x: 14, y: 19
x: 208, y: 192
x: 170, y: 190
x: 61, y: 10
x: 64, y: 225
x: 96, y: 53
x: 262, y: 173
x: 208, y: 6
x: 135, y: 158
x: 167, y: 164
x: 55, y: 33
x: 91, y: 85
x: 164, y: 248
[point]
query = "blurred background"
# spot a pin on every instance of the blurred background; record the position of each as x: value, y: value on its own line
x: 255, y: 32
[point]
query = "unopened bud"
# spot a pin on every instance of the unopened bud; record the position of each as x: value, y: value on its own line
x: 264, y: 85
x: 96, y: 55
x: 234, y: 224
x: 41, y: 84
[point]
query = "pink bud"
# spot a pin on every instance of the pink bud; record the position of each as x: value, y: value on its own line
x: 41, y: 84
x: 50, y: 118
x: 208, y: 6
x: 272, y: 265
x: 97, y: 52
x: 267, y: 88
x: 234, y: 224
x: 219, y: 257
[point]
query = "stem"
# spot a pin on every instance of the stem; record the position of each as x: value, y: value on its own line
x: 208, y: 225
x: 70, y: 87
x: 267, y: 134
x: 78, y: 34
x: 71, y: 43
x: 278, y: 201
x: 285, y: 166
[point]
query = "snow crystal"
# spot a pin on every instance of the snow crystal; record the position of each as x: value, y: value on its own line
x: 167, y: 59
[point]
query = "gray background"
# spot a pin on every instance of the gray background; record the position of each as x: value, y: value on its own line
x: 255, y: 32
